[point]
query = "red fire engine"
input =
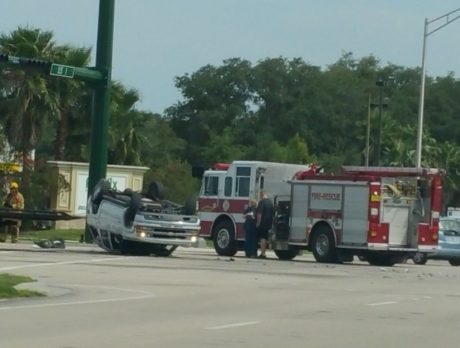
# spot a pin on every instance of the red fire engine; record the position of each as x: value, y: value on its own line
x: 379, y: 214
x: 225, y: 193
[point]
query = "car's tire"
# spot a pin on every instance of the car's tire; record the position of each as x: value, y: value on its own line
x: 156, y: 191
x: 134, y: 205
x: 420, y: 258
x: 286, y: 254
x: 190, y: 206
x: 101, y: 189
x: 224, y: 239
x: 323, y: 245
x: 454, y: 262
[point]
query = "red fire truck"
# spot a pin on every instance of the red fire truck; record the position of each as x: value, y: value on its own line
x: 382, y: 215
x: 225, y: 193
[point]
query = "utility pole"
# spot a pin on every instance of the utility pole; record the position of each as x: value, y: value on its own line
x: 426, y: 33
x: 101, y: 98
x: 368, y: 130
x: 380, y: 83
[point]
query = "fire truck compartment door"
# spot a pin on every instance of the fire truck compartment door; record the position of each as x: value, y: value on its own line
x: 355, y: 214
x: 299, y: 206
x: 397, y: 215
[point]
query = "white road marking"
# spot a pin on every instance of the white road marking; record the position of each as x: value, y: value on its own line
x: 382, y: 303
x: 141, y: 295
x: 2, y: 269
x: 230, y: 326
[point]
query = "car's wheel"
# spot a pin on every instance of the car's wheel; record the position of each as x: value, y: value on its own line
x: 454, y: 262
x: 156, y: 191
x: 420, y: 258
x: 323, y: 245
x: 164, y: 250
x: 117, y: 242
x: 286, y: 254
x: 190, y: 206
x: 224, y: 239
x: 134, y: 205
x: 102, y: 188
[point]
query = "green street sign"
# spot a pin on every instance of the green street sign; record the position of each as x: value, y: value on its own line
x: 62, y: 70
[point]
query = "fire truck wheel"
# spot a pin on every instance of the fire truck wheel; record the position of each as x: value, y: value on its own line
x: 286, y: 254
x: 323, y: 245
x: 419, y: 258
x: 454, y: 262
x: 224, y: 239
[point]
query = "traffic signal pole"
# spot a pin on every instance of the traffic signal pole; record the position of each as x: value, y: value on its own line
x: 98, y: 77
x: 101, y: 98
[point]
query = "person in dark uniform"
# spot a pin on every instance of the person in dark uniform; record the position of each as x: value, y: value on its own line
x: 250, y: 238
x: 264, y: 220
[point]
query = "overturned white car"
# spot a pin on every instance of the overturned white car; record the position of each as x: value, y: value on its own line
x: 139, y: 223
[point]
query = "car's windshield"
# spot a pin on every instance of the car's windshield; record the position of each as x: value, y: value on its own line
x: 450, y: 227
x: 450, y: 232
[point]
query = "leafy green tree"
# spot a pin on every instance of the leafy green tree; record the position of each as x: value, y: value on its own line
x: 297, y: 151
x: 214, y: 99
x: 162, y: 144
x: 124, y: 140
x: 175, y: 175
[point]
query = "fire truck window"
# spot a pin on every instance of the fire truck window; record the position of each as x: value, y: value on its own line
x: 243, y: 178
x: 211, y: 186
x: 228, y: 186
x: 243, y: 171
x: 242, y: 187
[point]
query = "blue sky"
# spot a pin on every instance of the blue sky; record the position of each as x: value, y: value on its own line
x: 156, y: 40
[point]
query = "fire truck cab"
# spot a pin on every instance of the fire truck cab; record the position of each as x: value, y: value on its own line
x: 225, y: 193
x: 380, y: 214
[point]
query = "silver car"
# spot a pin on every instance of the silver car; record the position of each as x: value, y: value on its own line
x: 448, y: 243
x: 139, y: 223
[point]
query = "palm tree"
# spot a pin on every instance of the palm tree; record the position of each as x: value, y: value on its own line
x: 28, y: 104
x: 73, y: 110
x: 124, y: 139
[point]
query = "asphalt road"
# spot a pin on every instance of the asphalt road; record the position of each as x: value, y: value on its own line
x: 198, y: 299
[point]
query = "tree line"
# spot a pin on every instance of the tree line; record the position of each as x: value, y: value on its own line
x: 276, y: 109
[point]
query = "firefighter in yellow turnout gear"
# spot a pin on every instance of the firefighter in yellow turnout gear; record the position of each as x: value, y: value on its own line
x: 14, y: 200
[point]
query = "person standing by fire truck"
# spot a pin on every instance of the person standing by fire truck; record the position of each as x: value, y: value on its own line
x: 250, y: 236
x: 264, y: 220
x: 14, y: 200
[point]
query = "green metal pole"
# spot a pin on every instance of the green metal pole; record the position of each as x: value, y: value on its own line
x: 101, y: 98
